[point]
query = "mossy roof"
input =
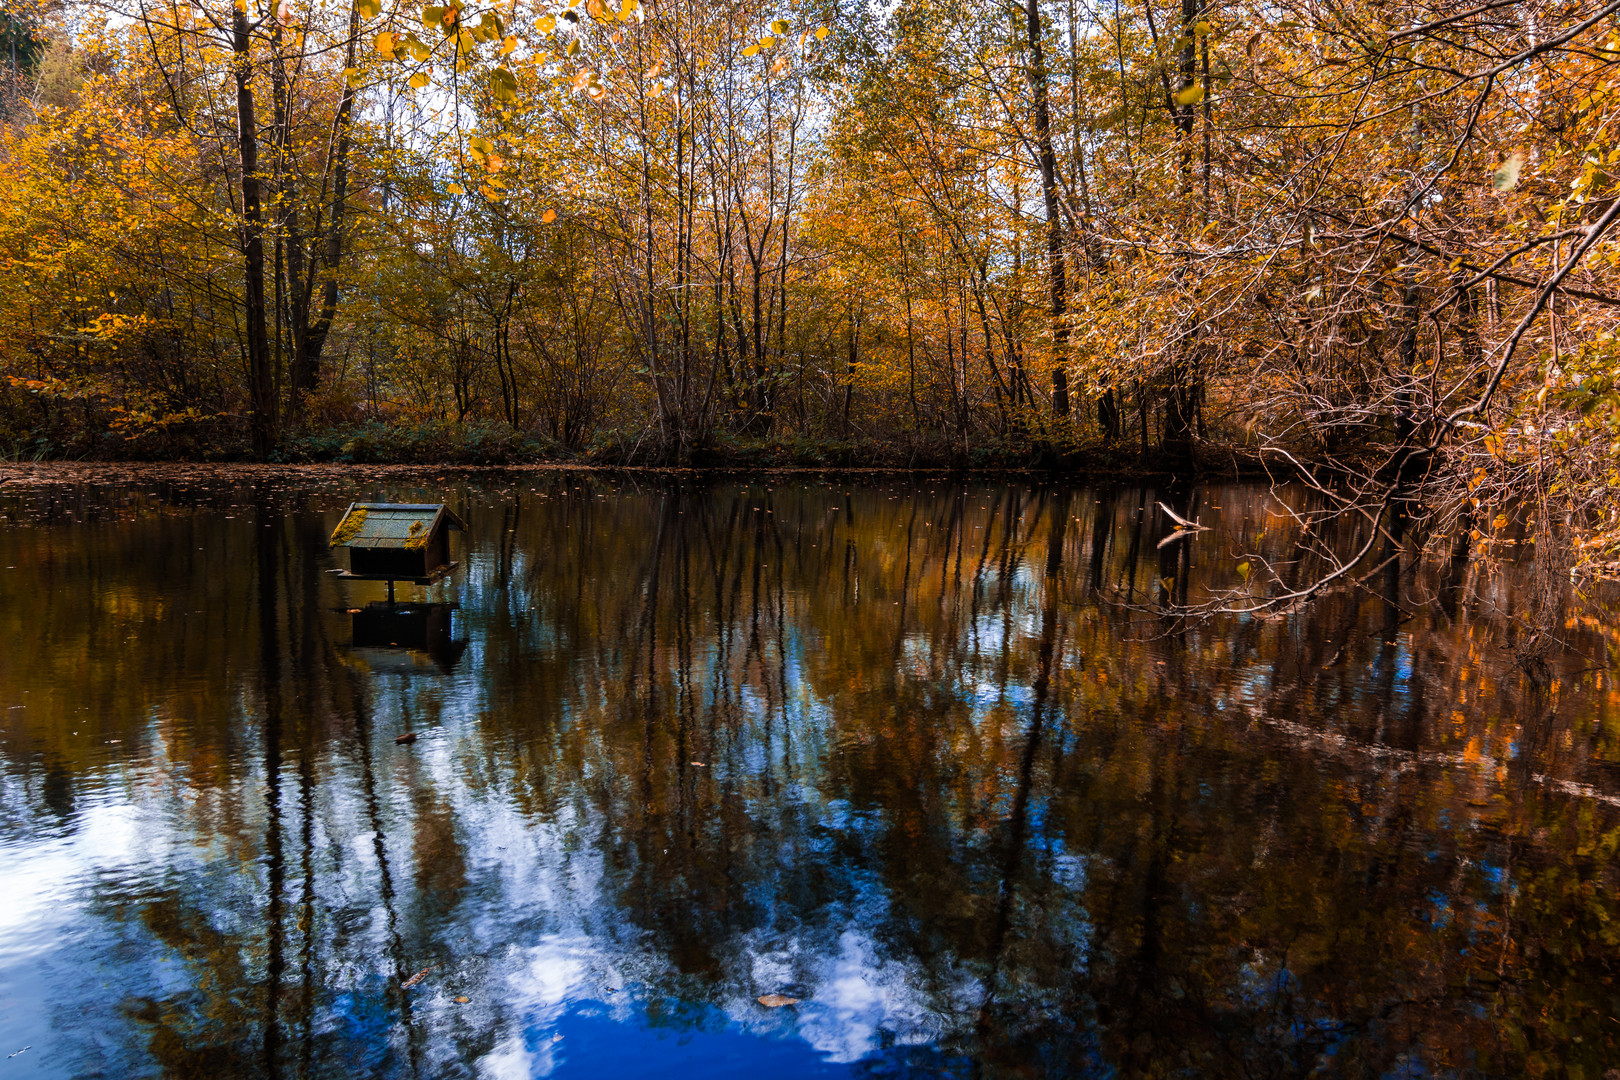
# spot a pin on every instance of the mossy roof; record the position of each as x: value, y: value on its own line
x: 392, y: 525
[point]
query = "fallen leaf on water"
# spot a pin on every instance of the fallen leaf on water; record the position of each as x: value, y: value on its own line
x: 776, y: 1001
x: 414, y: 979
x: 462, y: 1000
x: 408, y: 737
x: 700, y: 764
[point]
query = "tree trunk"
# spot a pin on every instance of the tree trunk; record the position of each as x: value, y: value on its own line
x: 1054, y: 225
x: 261, y: 384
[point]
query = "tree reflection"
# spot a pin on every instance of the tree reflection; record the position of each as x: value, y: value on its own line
x: 899, y: 751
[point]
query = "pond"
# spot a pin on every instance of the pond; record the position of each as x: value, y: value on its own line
x: 925, y: 755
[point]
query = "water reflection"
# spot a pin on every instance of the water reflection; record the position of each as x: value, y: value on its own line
x: 924, y: 756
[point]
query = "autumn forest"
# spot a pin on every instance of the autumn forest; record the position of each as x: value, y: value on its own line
x: 1368, y: 242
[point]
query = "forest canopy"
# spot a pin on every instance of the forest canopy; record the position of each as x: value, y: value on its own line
x: 1369, y: 243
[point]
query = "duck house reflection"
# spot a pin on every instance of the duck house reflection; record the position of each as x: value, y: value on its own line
x: 405, y: 638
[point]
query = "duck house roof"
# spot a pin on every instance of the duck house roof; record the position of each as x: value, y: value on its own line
x: 393, y: 525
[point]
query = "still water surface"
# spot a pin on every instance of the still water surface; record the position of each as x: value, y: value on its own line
x: 919, y: 754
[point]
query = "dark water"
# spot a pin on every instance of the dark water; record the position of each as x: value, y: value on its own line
x: 921, y: 755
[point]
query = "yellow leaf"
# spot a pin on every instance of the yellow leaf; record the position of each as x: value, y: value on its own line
x: 1493, y: 445
x: 1244, y: 569
x: 368, y: 9
x: 767, y: 42
x: 627, y: 10
x: 780, y: 65
x: 1191, y: 95
x: 822, y: 33
x: 546, y: 23
x: 508, y: 45
x: 549, y: 216
x: 455, y: 189
x: 752, y: 50
x: 353, y: 77
x: 419, y: 80
x: 656, y: 90
x: 594, y: 9
x: 385, y: 44
x: 1506, y: 176
x: 1499, y: 522
x: 779, y: 26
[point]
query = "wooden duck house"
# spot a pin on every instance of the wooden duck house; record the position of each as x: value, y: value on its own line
x: 397, y: 541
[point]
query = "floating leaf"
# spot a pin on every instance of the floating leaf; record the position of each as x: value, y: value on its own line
x: 1190, y: 95
x: 462, y: 999
x: 548, y: 217
x: 368, y: 9
x: 1506, y: 176
x: 776, y: 1001
x: 419, y: 80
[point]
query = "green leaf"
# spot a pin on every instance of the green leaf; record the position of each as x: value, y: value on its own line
x: 503, y: 84
x: 1506, y: 176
